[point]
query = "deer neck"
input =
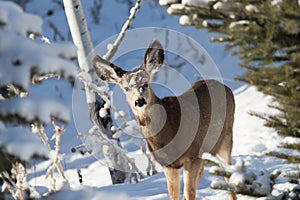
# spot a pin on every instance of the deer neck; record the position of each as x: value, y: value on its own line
x: 159, y: 124
x: 152, y: 117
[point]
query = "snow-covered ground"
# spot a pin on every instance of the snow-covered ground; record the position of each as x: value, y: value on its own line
x: 251, y: 138
x: 251, y: 141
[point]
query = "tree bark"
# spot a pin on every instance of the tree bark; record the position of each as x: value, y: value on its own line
x: 81, y: 39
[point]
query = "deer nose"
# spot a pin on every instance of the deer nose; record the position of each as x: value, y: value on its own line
x: 140, y: 102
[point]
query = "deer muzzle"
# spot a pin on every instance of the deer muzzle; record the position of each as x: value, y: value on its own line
x: 140, y: 102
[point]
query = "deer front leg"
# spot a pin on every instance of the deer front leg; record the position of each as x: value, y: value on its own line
x: 173, y: 181
x: 192, y: 173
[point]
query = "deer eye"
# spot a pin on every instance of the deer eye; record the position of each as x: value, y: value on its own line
x: 145, y: 85
x: 126, y: 89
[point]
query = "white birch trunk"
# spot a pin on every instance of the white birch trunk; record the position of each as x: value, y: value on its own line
x: 81, y: 39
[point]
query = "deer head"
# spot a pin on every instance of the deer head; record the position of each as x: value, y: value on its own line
x: 136, y: 84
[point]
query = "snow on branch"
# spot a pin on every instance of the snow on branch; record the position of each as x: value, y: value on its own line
x: 32, y: 62
x: 209, y: 13
x: 13, y: 18
x: 101, y: 90
x: 22, y: 143
x: 126, y: 126
x: 33, y: 109
x: 198, y: 3
x: 114, y: 157
x: 242, y: 180
x: 168, y: 2
x: 16, y: 183
x: 56, y: 159
x: 287, y: 154
x: 100, y: 144
x: 25, y: 60
x: 112, y: 49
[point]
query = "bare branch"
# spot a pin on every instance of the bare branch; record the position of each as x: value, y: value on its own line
x: 39, y: 129
x: 56, y: 159
x: 16, y: 183
x: 113, y: 49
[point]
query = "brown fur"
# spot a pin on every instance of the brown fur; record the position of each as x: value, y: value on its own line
x: 191, y: 158
x: 178, y: 130
x: 170, y: 129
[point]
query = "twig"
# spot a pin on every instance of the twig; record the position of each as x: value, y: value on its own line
x: 79, y: 176
x: 218, y: 171
x: 113, y: 49
x: 90, y: 85
x: 16, y: 183
x: 56, y: 31
x: 56, y: 158
x: 7, y: 183
x: 18, y: 172
x: 121, y: 152
x: 104, y: 95
x: 102, y: 92
x: 39, y: 129
x: 81, y: 38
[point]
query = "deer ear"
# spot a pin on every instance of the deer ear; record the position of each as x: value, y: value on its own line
x: 107, y: 71
x: 154, y: 57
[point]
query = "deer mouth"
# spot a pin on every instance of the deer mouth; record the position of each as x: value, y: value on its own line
x: 140, y: 102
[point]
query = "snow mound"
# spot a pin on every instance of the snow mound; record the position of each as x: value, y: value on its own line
x: 250, y: 136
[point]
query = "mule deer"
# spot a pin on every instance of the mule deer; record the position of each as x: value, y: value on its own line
x: 178, y: 129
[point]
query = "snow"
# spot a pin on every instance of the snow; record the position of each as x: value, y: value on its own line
x: 122, y: 113
x: 27, y: 56
x: 88, y: 193
x: 205, y: 3
x: 204, y: 23
x: 245, y: 125
x: 103, y: 112
x: 184, y: 20
x: 17, y: 21
x: 34, y: 108
x: 239, y: 23
x: 31, y: 56
x: 218, y: 5
x: 1, y: 98
x: 252, y: 8
x: 168, y: 2
x: 276, y: 2
x: 20, y: 58
x: 25, y: 146
x: 251, y: 138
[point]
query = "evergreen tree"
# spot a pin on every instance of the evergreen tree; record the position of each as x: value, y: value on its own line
x: 23, y: 63
x: 265, y: 34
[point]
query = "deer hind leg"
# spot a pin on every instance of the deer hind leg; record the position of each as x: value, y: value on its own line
x: 225, y: 153
x: 192, y: 172
x: 200, y: 171
x: 232, y: 195
x: 173, y: 181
